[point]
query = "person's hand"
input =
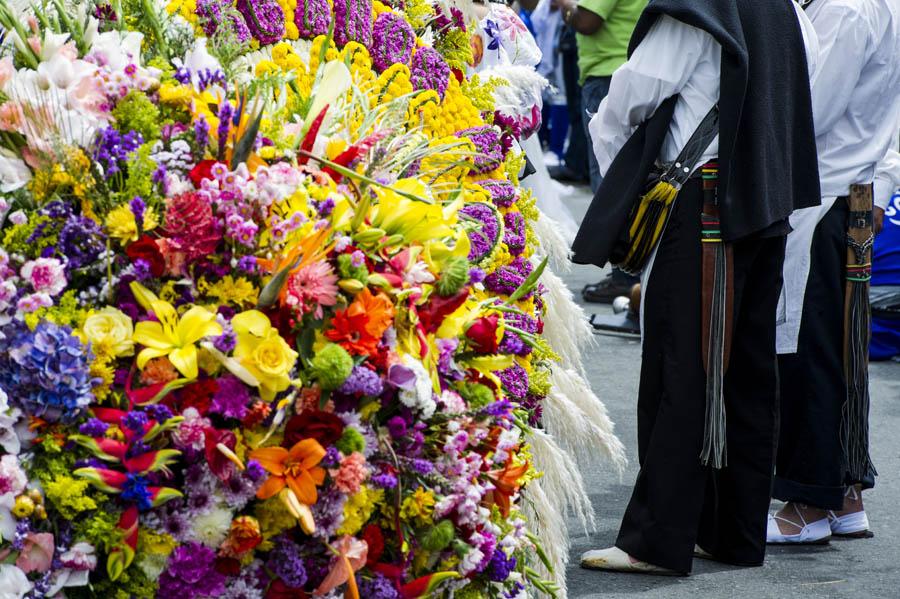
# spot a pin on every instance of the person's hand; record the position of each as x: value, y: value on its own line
x: 877, y: 220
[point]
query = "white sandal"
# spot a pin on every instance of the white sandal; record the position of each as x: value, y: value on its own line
x: 811, y: 533
x: 616, y: 560
x: 853, y: 526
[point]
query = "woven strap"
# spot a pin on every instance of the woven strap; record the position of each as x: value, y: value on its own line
x: 680, y: 170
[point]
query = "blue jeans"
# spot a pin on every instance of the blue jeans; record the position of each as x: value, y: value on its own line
x: 592, y: 93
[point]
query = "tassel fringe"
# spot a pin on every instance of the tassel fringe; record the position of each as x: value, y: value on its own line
x: 714, y: 446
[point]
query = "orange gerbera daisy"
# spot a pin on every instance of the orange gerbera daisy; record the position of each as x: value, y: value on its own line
x: 296, y: 469
x: 359, y: 328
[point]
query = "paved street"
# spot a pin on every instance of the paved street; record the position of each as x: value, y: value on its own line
x: 863, y: 568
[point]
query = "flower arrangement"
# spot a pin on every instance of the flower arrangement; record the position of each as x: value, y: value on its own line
x: 270, y: 315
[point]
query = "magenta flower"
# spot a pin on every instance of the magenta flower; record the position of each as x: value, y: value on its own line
x: 392, y: 41
x: 353, y: 22
x: 312, y: 17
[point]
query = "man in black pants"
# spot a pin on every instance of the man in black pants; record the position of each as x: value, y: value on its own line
x: 704, y: 482
x: 574, y: 168
x: 823, y: 455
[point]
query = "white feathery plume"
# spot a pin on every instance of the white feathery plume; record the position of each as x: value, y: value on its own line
x: 548, y: 522
x: 553, y: 242
x: 566, y: 326
x: 575, y: 416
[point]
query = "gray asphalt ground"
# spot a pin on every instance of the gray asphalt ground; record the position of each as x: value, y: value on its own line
x: 859, y: 568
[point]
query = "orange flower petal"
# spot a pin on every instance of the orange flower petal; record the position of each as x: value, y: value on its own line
x: 271, y: 458
x: 308, y: 452
x: 271, y: 487
x: 317, y: 474
x: 304, y: 488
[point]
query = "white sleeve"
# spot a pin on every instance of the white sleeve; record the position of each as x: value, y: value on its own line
x: 658, y: 69
x: 887, y: 178
x: 843, y: 52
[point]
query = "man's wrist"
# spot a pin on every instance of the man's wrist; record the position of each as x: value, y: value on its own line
x: 568, y: 8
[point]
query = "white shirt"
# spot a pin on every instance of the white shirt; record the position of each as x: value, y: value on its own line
x: 857, y: 113
x: 673, y: 58
x: 887, y: 179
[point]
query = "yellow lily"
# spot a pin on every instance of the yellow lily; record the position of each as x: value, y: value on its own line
x: 415, y: 221
x: 171, y: 336
x: 263, y: 353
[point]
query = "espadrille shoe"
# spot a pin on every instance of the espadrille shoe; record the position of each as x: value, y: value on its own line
x: 616, y: 560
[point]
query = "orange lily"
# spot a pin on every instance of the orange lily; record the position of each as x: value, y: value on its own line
x: 296, y: 469
x: 506, y: 484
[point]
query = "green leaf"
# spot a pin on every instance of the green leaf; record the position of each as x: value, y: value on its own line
x: 529, y: 284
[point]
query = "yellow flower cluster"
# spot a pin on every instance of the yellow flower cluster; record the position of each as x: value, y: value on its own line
x: 229, y: 290
x: 360, y: 63
x: 71, y: 173
x: 419, y: 506
x: 481, y: 93
x: 425, y: 112
x: 359, y: 509
x: 457, y: 111
x: 450, y: 166
x: 290, y: 28
x: 175, y: 94
x: 121, y: 224
x: 331, y: 53
x: 391, y: 84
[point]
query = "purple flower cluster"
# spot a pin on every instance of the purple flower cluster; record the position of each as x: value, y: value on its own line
x: 213, y: 13
x: 286, y: 563
x: 377, y: 588
x: 112, y: 148
x: 488, y: 145
x: 501, y: 566
x: 503, y: 193
x: 363, y: 381
x: 486, y: 235
x: 264, y: 18
x: 190, y: 573
x: 46, y: 372
x: 231, y: 398
x: 429, y: 71
x: 507, y: 279
x: 353, y: 22
x: 328, y: 512
x: 515, y: 381
x: 456, y: 20
x: 393, y: 40
x: 512, y: 343
x: 514, y: 232
x: 81, y: 241
x: 312, y: 17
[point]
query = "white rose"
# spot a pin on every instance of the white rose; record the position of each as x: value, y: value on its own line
x: 110, y: 330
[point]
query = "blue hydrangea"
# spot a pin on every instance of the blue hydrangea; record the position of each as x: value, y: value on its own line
x: 46, y: 372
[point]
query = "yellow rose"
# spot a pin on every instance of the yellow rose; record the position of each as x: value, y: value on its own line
x: 109, y: 331
x: 262, y: 351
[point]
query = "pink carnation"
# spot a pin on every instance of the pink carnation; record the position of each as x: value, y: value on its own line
x: 191, y: 433
x: 352, y: 473
x: 37, y: 553
x: 46, y: 275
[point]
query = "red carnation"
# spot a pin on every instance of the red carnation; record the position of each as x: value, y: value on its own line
x: 147, y: 250
x: 202, y: 171
x: 483, y: 333
x: 279, y: 590
x: 197, y: 395
x: 324, y: 427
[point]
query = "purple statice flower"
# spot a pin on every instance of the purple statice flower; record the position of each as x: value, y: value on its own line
x: 135, y: 421
x: 489, y: 148
x: 429, y: 71
x: 201, y: 131
x: 503, y: 193
x: 247, y: 264
x: 378, y: 588
x: 286, y: 562
x: 506, y: 279
x: 362, y: 381
x: 486, y: 234
x: 264, y: 18
x: 328, y: 512
x: 231, y: 398
x: 46, y: 372
x: 384, y: 480
x: 112, y: 148
x: 81, y: 241
x: 159, y: 177
x: 501, y: 566
x: 476, y: 275
x: 183, y: 76
x: 138, y: 206
x: 312, y: 17
x: 332, y: 458
x: 515, y: 381
x: 353, y: 22
x: 93, y: 428
x: 226, y: 113
x: 514, y: 232
x: 158, y: 412
x: 137, y: 448
x: 421, y: 467
x: 512, y: 344
x: 241, y: 487
x: 393, y: 40
x: 499, y: 409
x: 209, y: 77
x: 190, y: 573
x: 225, y: 342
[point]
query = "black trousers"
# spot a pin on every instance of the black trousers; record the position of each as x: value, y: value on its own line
x: 811, y: 466
x: 677, y: 501
x: 578, y: 148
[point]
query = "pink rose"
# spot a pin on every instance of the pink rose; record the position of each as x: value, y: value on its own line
x: 37, y: 554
